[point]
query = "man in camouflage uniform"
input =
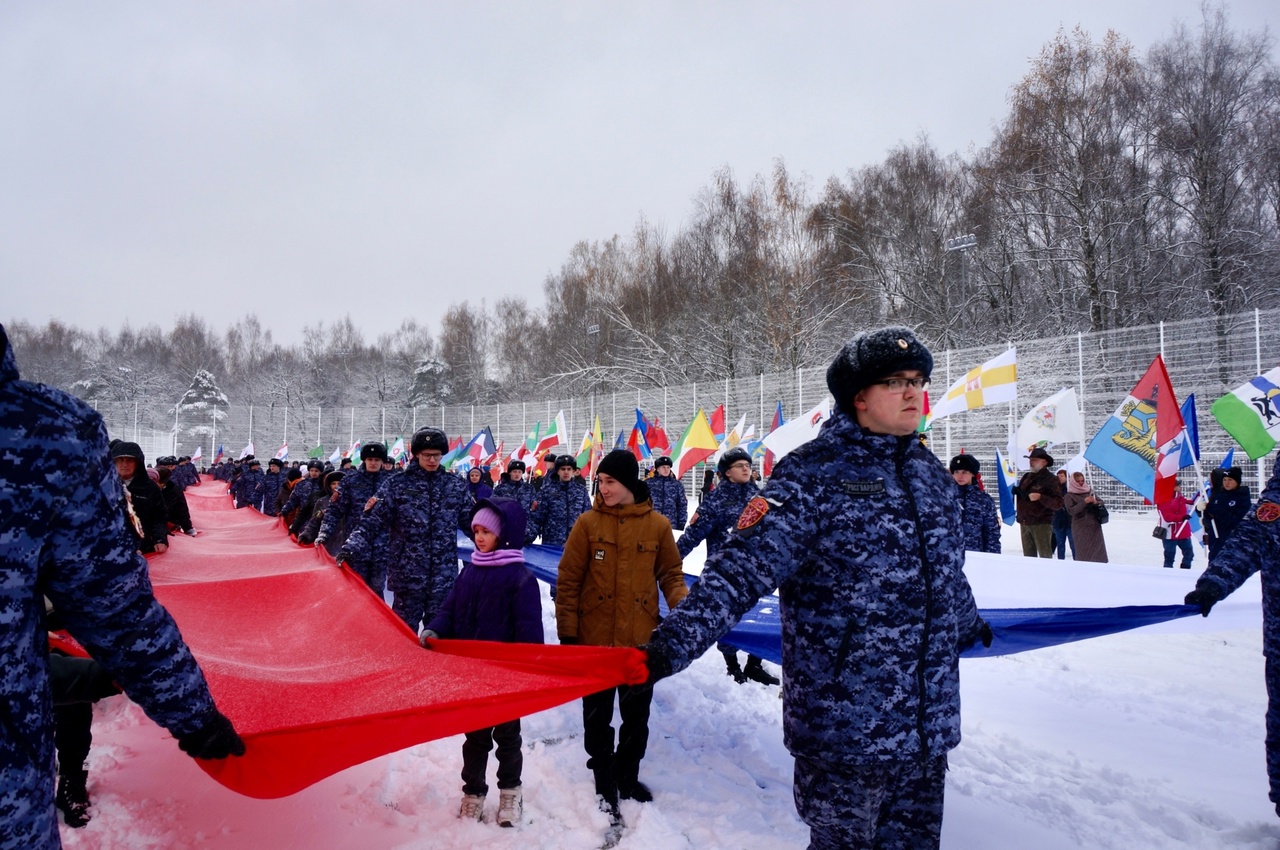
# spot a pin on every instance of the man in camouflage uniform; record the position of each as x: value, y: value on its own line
x: 269, y: 487
x: 1253, y: 546
x: 304, y: 489
x: 667, y: 493
x: 247, y: 490
x: 560, y: 501
x: 64, y: 536
x: 186, y: 472
x: 515, y: 487
x: 977, y: 509
x: 714, y: 521
x: 356, y: 496
x: 859, y: 529
x: 419, y: 512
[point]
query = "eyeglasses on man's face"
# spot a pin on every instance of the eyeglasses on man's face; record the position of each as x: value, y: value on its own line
x: 899, y: 385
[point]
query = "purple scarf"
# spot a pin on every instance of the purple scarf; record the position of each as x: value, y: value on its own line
x: 497, y: 558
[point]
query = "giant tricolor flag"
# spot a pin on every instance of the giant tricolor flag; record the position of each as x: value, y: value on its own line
x: 1145, y: 426
x: 991, y: 383
x: 1251, y: 414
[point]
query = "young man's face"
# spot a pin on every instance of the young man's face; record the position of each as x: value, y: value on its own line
x: 516, y: 475
x: 739, y: 473
x: 313, y: 472
x: 566, y: 473
x: 612, y: 491
x: 663, y: 470
x: 429, y: 459
x: 882, y: 410
x: 963, y: 477
x: 372, y: 464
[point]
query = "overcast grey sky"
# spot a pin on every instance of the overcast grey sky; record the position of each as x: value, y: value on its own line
x: 303, y: 160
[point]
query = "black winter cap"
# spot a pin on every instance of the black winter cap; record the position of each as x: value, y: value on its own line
x: 622, y: 465
x: 662, y: 461
x: 729, y: 458
x: 127, y: 449
x: 567, y: 460
x: 870, y: 356
x: 967, y: 463
x: 429, y: 438
x: 377, y: 450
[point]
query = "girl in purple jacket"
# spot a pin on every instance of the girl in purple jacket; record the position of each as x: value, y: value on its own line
x: 496, y: 597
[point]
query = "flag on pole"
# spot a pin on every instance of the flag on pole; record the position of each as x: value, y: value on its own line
x: 557, y: 435
x: 778, y: 422
x: 657, y: 438
x: 398, y: 451
x: 197, y: 455
x: 354, y: 451
x: 798, y: 431
x: 1191, y: 445
x: 716, y: 423
x: 318, y: 452
x: 1251, y: 414
x: 638, y: 442
x: 991, y: 383
x: 1006, y: 475
x: 1145, y: 426
x: 696, y: 444
x: 584, y: 451
x: 283, y: 453
x: 336, y: 457
x: 597, y: 450
x: 1054, y: 421
x: 246, y: 451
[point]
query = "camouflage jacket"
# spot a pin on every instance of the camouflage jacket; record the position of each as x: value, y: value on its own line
x: 64, y: 537
x: 357, y: 487
x: 1253, y: 546
x: 268, y: 489
x: 247, y: 489
x: 670, y: 500
x: 860, y: 533
x: 556, y: 510
x: 978, y: 518
x: 716, y: 517
x: 419, y: 513
x: 522, y: 493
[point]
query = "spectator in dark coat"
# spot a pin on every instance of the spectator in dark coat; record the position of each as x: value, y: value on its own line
x: 478, y: 484
x: 1228, y: 504
x: 143, y: 505
x: 1062, y: 536
x: 320, y: 506
x: 1038, y: 496
x: 1082, y: 504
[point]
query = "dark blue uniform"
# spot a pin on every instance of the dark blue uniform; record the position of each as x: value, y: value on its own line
x: 522, y: 492
x: 716, y: 517
x: 419, y: 513
x: 670, y: 500
x: 1224, y: 512
x: 558, y: 506
x: 268, y: 489
x: 248, y: 488
x: 1254, y: 546
x: 978, y: 518
x: 63, y: 535
x: 342, y: 517
x: 861, y: 535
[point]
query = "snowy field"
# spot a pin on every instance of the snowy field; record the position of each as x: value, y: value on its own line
x: 1147, y: 739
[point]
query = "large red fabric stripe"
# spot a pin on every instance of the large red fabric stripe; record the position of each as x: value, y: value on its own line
x: 318, y: 674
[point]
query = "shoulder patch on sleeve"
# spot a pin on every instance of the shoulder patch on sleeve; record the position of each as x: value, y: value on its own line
x: 1268, y: 512
x: 753, y: 513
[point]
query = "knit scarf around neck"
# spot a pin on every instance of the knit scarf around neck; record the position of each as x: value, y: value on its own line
x: 497, y: 558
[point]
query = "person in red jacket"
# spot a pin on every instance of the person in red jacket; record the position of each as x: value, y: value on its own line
x: 1177, y: 525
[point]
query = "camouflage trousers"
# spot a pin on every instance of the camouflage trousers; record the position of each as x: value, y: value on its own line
x: 890, y: 806
x: 420, y: 593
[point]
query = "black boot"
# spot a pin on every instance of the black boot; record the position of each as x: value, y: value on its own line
x: 629, y: 785
x: 73, y: 798
x: 606, y: 784
x: 756, y: 673
x: 731, y: 663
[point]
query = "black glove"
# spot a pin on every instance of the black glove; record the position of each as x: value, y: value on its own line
x: 216, y: 739
x: 566, y: 640
x: 1204, y: 597
x: 343, y: 557
x: 984, y: 634
x: 659, y: 664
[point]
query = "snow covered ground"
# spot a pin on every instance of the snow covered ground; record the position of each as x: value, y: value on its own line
x: 1147, y: 739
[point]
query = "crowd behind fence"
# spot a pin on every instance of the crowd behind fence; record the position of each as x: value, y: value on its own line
x: 1208, y: 357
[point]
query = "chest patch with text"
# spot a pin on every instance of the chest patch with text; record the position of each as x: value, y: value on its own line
x: 863, y: 488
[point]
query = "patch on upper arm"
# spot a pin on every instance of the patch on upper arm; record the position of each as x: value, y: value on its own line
x: 1268, y: 512
x: 753, y: 513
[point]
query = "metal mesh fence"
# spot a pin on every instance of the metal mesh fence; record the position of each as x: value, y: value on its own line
x: 1207, y: 357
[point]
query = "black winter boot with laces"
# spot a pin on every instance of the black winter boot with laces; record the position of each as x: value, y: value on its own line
x: 73, y: 798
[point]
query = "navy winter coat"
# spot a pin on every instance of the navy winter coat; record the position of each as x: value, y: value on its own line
x: 670, y: 500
